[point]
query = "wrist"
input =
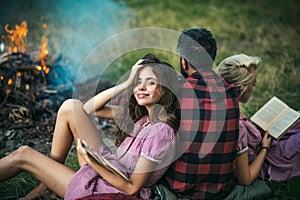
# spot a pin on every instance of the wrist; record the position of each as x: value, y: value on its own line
x: 127, y: 83
x: 266, y: 148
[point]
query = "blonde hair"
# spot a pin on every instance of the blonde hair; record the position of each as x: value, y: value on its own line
x: 237, y: 69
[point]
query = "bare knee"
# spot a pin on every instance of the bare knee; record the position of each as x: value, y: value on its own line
x: 15, y: 162
x: 23, y: 150
x: 70, y: 106
x: 21, y: 154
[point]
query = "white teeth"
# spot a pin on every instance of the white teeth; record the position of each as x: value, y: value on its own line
x: 142, y: 95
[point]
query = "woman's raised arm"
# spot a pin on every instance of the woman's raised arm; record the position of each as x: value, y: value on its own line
x: 97, y: 104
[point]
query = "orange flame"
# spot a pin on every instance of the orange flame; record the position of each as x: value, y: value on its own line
x: 17, y: 37
x: 46, y: 69
x: 39, y: 68
x: 16, y: 42
x: 10, y: 81
x: 44, y: 41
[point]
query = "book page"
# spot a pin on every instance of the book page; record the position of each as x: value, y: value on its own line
x: 104, y: 162
x: 269, y: 113
x: 284, y: 122
x: 112, y: 168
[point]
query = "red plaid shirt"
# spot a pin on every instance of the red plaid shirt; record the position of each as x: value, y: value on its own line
x: 208, y: 135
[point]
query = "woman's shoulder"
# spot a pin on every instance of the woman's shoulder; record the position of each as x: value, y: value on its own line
x: 162, y: 126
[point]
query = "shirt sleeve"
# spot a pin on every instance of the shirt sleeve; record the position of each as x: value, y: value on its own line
x: 159, y: 144
x: 243, y: 139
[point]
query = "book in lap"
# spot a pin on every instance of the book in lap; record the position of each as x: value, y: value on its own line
x: 103, y: 161
x: 276, y: 117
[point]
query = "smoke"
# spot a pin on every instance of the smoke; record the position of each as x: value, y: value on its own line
x: 74, y: 27
x: 78, y: 26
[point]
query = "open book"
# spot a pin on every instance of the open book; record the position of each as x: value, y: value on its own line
x: 276, y: 117
x: 104, y: 162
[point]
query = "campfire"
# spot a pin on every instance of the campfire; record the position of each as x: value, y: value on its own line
x: 19, y: 69
x: 31, y: 90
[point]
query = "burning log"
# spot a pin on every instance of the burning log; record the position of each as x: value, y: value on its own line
x: 19, y: 72
x: 28, y: 97
x: 28, y: 101
x: 31, y: 92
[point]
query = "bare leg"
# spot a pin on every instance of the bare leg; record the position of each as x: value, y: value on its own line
x: 72, y: 122
x: 52, y: 173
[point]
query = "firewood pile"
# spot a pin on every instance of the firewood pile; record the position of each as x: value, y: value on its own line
x: 30, y: 95
x: 32, y: 91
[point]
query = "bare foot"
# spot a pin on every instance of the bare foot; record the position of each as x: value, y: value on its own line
x: 40, y: 191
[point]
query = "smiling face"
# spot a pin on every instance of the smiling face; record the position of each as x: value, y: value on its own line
x: 146, y: 91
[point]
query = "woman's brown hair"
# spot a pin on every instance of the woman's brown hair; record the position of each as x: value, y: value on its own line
x: 164, y: 111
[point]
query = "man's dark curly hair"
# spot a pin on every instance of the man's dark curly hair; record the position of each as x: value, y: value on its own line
x: 198, y: 47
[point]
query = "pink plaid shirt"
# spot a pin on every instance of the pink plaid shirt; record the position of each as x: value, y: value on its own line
x: 154, y: 141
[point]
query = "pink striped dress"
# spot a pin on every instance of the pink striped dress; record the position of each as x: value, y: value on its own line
x: 154, y: 141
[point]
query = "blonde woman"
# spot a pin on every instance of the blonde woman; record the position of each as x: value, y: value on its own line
x: 257, y: 156
x: 241, y: 71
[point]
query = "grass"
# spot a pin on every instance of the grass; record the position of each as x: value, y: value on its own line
x: 268, y: 29
x: 286, y: 189
x: 24, y: 182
